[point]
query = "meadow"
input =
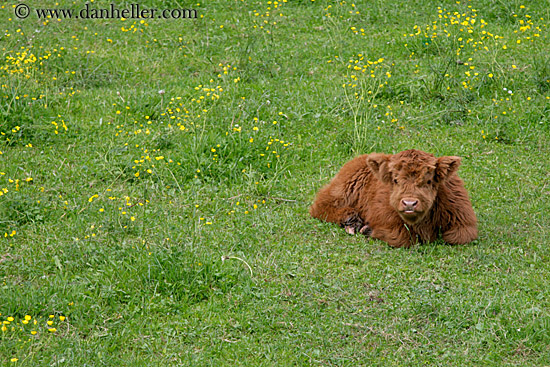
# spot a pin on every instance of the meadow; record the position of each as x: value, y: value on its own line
x: 156, y: 174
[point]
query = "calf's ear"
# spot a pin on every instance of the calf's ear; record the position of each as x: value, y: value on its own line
x: 379, y: 164
x: 446, y: 167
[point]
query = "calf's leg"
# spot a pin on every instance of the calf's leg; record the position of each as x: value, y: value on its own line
x: 460, y: 235
x: 331, y: 206
x: 395, y: 237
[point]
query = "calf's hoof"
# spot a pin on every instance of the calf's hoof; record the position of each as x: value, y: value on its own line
x: 353, y: 224
x: 366, y: 230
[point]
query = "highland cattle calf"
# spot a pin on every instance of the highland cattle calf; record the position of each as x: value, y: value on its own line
x: 401, y: 199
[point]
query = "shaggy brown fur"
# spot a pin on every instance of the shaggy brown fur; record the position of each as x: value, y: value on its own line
x: 401, y: 199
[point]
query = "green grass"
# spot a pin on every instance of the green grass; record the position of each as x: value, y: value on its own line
x: 135, y: 157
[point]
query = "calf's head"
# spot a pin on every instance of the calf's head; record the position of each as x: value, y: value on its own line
x: 414, y: 178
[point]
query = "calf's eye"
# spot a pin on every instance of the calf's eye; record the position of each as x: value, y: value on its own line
x: 429, y: 182
x: 395, y: 181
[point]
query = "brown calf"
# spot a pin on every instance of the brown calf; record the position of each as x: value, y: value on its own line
x: 401, y: 199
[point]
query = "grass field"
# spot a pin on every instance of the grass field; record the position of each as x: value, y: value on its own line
x: 156, y: 174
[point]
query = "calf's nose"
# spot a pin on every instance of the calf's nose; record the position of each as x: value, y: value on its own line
x: 408, y: 203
